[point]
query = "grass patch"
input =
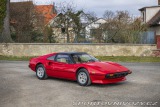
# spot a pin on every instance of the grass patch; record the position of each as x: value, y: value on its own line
x: 15, y: 58
x: 102, y: 58
x: 128, y: 59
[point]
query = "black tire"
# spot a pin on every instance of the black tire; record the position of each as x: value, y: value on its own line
x: 44, y: 75
x: 87, y: 81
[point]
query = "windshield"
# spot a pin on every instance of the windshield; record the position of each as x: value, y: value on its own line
x: 82, y: 58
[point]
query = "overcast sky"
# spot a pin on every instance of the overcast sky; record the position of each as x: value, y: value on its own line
x: 99, y: 6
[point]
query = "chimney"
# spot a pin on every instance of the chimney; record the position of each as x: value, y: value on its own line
x: 158, y: 2
x: 54, y: 8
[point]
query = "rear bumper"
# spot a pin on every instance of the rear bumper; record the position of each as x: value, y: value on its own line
x: 31, y: 67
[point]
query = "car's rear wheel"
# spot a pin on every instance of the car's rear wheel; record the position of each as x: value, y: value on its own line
x: 83, y: 77
x: 41, y: 72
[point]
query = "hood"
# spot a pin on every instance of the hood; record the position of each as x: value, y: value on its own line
x: 107, y: 67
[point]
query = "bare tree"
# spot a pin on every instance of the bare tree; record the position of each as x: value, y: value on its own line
x: 108, y: 15
x: 120, y: 27
x: 111, y: 31
x: 21, y: 20
x: 91, y: 16
x: 70, y: 20
x: 29, y: 21
x: 65, y: 20
x: 133, y: 33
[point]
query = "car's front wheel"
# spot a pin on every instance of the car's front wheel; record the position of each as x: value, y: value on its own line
x: 83, y: 77
x: 41, y: 72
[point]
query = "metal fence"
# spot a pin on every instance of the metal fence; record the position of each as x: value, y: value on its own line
x: 147, y: 37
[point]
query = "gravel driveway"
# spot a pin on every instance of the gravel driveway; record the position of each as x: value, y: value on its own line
x: 19, y: 87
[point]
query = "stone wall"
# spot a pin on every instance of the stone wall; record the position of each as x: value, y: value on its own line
x: 36, y: 49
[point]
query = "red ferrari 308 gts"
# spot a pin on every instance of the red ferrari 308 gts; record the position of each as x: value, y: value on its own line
x: 79, y: 66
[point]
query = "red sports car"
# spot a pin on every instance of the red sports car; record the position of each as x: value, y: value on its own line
x: 79, y: 66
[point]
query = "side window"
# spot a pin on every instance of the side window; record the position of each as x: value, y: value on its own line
x: 51, y: 58
x: 76, y: 58
x: 63, y: 58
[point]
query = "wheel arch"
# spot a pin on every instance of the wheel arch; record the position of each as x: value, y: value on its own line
x: 81, y: 68
x: 37, y: 65
x: 88, y: 73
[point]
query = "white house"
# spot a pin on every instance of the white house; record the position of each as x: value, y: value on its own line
x: 59, y: 30
x: 93, y: 25
x: 151, y: 16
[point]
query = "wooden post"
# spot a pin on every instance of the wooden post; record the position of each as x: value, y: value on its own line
x: 158, y: 41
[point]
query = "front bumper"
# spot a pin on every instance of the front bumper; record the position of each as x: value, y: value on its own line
x: 106, y: 79
x: 117, y: 75
x: 109, y: 81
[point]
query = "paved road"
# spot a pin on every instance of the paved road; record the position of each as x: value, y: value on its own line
x: 19, y: 87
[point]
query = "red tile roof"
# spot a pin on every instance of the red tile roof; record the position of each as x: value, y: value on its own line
x: 47, y: 11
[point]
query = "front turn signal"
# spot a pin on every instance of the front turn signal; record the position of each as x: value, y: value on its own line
x: 111, y: 75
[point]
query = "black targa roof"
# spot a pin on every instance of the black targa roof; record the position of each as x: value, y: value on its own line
x: 72, y: 53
